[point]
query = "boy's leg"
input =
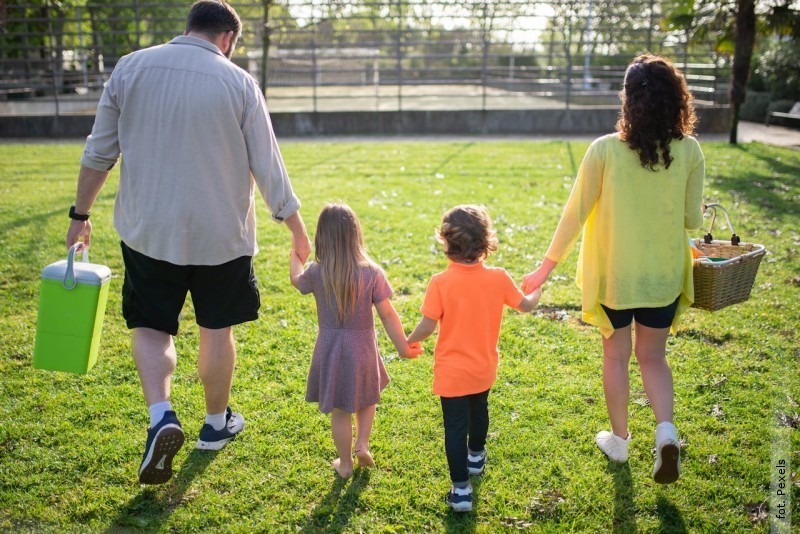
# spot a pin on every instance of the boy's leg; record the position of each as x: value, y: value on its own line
x: 364, y: 419
x: 478, y: 420
x: 455, y: 412
x: 342, y: 432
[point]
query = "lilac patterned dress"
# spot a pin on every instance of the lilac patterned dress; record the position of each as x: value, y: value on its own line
x: 346, y: 370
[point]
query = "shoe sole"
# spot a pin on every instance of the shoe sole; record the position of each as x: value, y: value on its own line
x: 669, y: 470
x: 461, y: 506
x: 212, y: 445
x: 157, y: 465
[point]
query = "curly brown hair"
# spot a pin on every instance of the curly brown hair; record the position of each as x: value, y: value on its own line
x: 467, y: 234
x: 656, y: 108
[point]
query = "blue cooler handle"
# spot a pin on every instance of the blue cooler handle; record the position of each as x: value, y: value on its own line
x: 69, y: 276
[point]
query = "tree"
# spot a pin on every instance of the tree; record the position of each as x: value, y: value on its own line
x: 745, y: 38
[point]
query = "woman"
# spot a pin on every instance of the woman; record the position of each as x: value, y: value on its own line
x: 637, y: 192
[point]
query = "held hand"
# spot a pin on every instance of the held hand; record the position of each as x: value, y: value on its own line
x: 534, y: 281
x: 301, y: 246
x: 412, y: 350
x: 78, y: 230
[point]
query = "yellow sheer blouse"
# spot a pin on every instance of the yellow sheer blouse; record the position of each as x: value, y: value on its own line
x: 635, y: 248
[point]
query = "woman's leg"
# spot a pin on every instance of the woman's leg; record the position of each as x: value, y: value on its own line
x: 364, y: 419
x: 616, y: 385
x: 342, y: 431
x: 650, y: 349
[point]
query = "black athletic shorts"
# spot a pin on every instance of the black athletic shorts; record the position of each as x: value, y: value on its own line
x: 154, y: 291
x: 653, y: 317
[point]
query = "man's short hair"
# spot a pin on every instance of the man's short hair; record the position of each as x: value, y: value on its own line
x: 213, y: 17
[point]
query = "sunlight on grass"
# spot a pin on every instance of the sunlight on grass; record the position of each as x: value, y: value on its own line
x: 70, y: 445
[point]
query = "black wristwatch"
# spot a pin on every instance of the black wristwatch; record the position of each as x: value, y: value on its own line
x: 78, y: 216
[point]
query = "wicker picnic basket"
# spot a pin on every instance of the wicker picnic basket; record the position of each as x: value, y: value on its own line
x: 729, y: 278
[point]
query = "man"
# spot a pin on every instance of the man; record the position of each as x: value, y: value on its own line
x: 195, y: 137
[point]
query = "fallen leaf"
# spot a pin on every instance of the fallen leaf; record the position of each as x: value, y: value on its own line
x: 546, y: 502
x: 756, y: 512
x: 716, y: 411
x: 791, y: 421
x: 712, y: 459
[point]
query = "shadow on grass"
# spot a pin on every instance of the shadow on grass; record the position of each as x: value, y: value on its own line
x: 669, y: 516
x: 333, y: 512
x: 456, y: 153
x: 624, y: 493
x: 151, y: 508
x: 772, y: 190
x: 458, y: 522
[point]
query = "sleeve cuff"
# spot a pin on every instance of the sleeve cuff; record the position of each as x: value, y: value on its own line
x: 288, y: 209
x: 97, y: 163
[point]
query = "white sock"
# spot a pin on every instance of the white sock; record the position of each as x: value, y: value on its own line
x: 157, y: 411
x: 216, y: 420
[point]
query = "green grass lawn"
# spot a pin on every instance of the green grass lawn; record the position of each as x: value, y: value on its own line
x: 70, y: 445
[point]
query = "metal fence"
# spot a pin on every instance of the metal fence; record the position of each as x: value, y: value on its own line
x: 315, y: 55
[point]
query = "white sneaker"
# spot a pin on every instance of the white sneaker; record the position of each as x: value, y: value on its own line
x: 613, y: 446
x: 668, y: 454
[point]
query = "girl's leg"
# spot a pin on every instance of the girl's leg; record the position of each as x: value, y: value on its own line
x: 616, y: 356
x: 364, y: 419
x: 342, y: 431
x: 650, y: 348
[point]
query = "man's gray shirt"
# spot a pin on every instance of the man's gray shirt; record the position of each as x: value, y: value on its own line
x: 195, y: 137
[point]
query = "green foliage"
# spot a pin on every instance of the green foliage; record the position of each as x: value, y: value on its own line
x: 777, y: 70
x: 70, y: 445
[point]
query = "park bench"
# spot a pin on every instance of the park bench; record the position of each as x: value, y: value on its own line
x: 794, y: 113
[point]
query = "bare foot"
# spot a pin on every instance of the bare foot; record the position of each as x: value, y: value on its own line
x: 364, y: 458
x: 342, y: 471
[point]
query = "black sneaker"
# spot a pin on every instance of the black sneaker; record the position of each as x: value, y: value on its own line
x: 476, y: 463
x: 459, y: 499
x: 163, y: 442
x: 214, y: 440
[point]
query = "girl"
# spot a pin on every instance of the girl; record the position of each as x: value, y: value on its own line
x: 468, y: 301
x: 636, y: 194
x: 347, y: 374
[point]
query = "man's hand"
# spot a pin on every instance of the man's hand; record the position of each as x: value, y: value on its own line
x: 78, y: 230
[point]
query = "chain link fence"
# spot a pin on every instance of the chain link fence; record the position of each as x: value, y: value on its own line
x: 366, y: 55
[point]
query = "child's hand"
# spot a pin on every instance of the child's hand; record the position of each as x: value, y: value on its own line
x: 412, y: 350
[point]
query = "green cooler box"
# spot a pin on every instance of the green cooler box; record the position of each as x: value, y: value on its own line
x: 72, y: 304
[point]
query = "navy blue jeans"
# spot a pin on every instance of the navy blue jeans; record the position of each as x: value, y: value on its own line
x: 466, y: 423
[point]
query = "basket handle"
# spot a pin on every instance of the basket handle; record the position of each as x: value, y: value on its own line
x: 713, y: 207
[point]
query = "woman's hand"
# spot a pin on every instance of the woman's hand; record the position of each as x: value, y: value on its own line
x: 536, y: 279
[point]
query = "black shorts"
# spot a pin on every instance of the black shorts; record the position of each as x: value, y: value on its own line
x: 653, y: 317
x: 154, y: 291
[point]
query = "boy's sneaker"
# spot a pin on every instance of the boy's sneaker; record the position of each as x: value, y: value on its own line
x: 668, y: 454
x: 214, y: 440
x: 163, y: 442
x: 459, y: 499
x: 476, y: 462
x: 613, y: 446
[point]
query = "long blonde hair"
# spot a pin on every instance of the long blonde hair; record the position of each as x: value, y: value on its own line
x: 339, y: 250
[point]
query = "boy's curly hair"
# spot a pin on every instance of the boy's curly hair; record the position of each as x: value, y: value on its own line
x: 467, y: 234
x: 656, y: 108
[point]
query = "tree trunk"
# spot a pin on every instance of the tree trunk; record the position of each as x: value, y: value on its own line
x: 743, y: 51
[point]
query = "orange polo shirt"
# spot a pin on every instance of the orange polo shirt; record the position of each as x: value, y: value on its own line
x: 467, y: 301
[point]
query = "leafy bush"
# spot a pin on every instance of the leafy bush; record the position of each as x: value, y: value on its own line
x: 777, y: 71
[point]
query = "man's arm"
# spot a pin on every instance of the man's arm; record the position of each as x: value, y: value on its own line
x: 90, y: 181
x: 300, y: 242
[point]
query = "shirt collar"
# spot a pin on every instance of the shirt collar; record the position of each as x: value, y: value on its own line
x: 466, y: 266
x: 196, y: 41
